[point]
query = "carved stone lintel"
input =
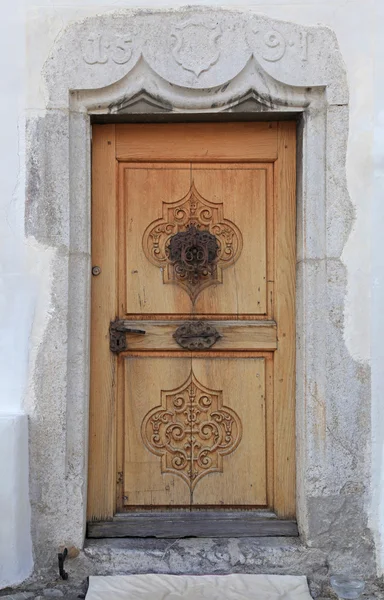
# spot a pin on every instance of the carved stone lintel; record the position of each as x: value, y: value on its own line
x: 196, y: 335
x: 196, y: 49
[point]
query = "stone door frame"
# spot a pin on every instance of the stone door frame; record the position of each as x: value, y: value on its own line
x: 192, y: 64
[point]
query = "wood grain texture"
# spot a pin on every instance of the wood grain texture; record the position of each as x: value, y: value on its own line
x: 269, y: 427
x: 240, y: 196
x: 251, y: 366
x: 102, y: 422
x: 244, y: 197
x: 143, y: 191
x: 144, y: 481
x: 229, y: 470
x: 285, y: 285
x: 210, y: 353
x: 235, y: 335
x: 197, y: 142
x: 242, y: 481
x: 179, y: 524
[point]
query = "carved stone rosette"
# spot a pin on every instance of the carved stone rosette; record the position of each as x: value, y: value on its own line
x: 191, y: 430
x: 179, y: 216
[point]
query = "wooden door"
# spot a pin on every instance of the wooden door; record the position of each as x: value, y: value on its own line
x: 192, y: 386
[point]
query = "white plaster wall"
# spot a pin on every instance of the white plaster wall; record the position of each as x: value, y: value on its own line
x: 25, y: 269
x: 377, y: 289
x: 15, y: 540
x: 17, y: 293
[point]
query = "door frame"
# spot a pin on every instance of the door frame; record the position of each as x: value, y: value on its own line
x: 78, y: 89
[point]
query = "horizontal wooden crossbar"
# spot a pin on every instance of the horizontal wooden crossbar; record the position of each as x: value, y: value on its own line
x: 235, y: 335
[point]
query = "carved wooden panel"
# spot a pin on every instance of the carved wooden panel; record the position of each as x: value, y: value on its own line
x: 192, y: 210
x: 236, y: 205
x: 191, y: 430
x: 195, y: 431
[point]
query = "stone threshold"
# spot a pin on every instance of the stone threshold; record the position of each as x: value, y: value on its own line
x: 202, y: 556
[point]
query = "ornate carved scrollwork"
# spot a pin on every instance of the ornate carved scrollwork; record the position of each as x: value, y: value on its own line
x: 191, y: 430
x: 196, y: 335
x: 193, y: 261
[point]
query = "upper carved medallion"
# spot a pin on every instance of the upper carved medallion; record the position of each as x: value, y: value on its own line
x: 191, y: 430
x: 196, y: 49
x: 192, y: 214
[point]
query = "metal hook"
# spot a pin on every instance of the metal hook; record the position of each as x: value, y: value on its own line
x: 62, y: 556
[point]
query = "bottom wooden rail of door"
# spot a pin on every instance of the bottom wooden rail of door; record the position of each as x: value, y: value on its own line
x: 176, y: 524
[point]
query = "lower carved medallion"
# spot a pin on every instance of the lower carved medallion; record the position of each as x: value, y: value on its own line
x: 191, y: 430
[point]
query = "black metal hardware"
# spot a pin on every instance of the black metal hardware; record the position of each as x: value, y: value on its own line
x: 193, y: 252
x: 117, y: 331
x: 196, y: 335
x: 62, y: 556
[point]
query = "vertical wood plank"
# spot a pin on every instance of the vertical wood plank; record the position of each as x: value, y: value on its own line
x: 241, y: 478
x: 102, y: 437
x: 147, y: 481
x: 142, y: 193
x: 284, y: 368
x: 270, y: 225
x: 269, y: 427
x: 121, y: 269
x: 242, y: 194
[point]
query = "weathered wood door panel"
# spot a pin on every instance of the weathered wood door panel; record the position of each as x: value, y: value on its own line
x: 191, y: 431
x: 232, y: 186
x: 173, y: 426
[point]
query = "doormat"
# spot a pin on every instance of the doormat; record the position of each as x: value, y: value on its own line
x: 198, y: 587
